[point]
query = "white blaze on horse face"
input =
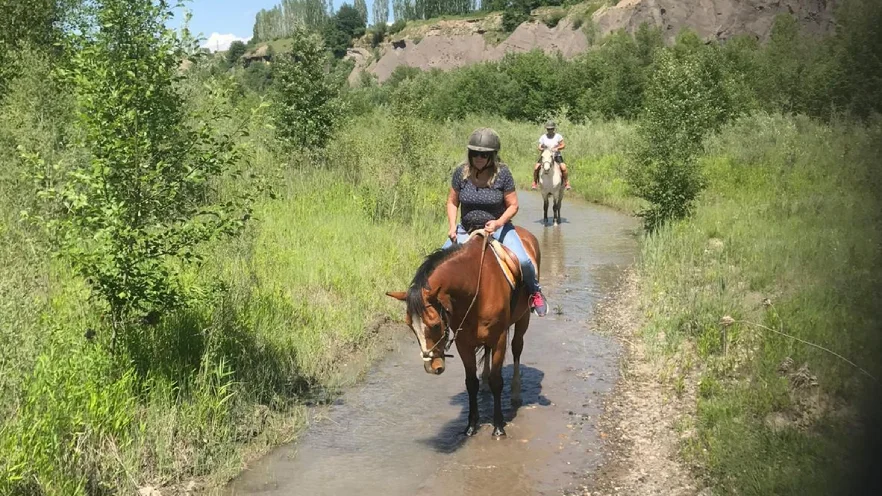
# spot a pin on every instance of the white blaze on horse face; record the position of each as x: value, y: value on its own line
x: 547, y: 159
x: 419, y: 328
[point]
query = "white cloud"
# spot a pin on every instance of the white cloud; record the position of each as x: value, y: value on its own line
x: 219, y: 42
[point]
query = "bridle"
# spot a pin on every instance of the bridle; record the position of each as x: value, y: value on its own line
x: 445, y: 313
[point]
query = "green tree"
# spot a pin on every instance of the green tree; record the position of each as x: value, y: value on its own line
x: 858, y: 45
x: 361, y: 7
x: 235, y: 52
x: 341, y: 28
x: 132, y: 214
x: 307, y: 106
x: 531, y: 88
x: 381, y: 13
x: 685, y: 100
x: 350, y: 21
x: 36, y: 24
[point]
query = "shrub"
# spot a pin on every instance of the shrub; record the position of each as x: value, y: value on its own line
x: 686, y: 99
x: 512, y: 17
x: 397, y: 26
x: 308, y: 104
x: 553, y: 19
x: 130, y: 215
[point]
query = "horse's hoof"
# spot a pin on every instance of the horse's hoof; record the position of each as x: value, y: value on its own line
x: 498, y: 432
x: 471, y: 430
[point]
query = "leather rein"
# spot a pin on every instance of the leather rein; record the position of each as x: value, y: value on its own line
x: 427, y: 355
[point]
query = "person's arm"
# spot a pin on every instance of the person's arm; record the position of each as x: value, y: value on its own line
x: 452, y: 207
x: 511, y: 208
x: 541, y: 146
x: 561, y: 145
x: 509, y: 199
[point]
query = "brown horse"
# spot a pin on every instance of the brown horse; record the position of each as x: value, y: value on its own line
x: 460, y: 295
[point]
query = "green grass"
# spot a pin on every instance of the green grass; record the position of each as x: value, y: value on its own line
x: 790, y: 215
x: 284, y: 312
x: 281, y: 316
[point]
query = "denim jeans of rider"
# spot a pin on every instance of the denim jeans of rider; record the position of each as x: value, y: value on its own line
x: 510, y: 239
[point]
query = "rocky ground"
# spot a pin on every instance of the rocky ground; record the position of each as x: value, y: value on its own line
x: 643, y: 422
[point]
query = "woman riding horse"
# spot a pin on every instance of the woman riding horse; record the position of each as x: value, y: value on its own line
x: 485, y: 189
x: 459, y: 295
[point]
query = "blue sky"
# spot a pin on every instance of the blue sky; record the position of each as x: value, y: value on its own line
x: 222, y: 21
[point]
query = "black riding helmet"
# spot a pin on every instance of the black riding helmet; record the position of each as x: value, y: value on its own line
x: 484, y: 140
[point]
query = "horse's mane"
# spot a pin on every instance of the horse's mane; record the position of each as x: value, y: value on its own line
x: 421, y: 278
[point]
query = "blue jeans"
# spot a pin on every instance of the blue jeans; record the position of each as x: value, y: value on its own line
x: 509, y: 239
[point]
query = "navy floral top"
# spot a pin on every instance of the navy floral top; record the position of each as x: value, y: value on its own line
x: 480, y: 205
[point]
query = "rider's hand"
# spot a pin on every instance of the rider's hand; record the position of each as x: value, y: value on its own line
x: 451, y: 233
x: 491, y: 226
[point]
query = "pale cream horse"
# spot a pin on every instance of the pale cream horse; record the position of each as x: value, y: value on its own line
x: 551, y: 184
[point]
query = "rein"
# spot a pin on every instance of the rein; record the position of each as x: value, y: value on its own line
x: 427, y: 356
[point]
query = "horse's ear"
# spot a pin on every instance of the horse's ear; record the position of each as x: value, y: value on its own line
x: 398, y: 295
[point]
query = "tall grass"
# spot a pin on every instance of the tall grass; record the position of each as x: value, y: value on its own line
x: 277, y: 316
x: 791, y: 216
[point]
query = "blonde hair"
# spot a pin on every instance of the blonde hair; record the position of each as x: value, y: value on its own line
x: 493, y: 161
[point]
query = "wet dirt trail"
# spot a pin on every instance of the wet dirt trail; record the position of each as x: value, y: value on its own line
x: 400, y: 431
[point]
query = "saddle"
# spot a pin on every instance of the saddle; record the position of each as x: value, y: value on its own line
x: 506, y: 259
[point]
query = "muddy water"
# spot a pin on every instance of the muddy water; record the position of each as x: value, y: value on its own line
x: 400, y: 432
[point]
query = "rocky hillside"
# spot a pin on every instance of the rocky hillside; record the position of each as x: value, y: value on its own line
x: 447, y: 44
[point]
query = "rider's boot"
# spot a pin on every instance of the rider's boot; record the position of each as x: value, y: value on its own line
x: 538, y: 304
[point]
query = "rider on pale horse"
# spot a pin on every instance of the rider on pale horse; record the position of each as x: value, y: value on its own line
x: 555, y: 142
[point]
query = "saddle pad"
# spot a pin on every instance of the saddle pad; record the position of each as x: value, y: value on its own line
x: 503, y: 257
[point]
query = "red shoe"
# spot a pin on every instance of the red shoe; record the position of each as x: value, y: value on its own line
x: 533, y: 186
x: 537, y: 303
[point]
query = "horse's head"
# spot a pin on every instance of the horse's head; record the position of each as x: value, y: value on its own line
x: 427, y: 317
x: 547, y: 160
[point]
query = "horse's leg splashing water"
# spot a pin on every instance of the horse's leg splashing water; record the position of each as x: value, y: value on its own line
x: 470, y: 363
x: 496, y: 384
x: 517, y: 346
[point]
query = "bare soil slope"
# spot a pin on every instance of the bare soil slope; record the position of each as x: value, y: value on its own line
x: 448, y: 44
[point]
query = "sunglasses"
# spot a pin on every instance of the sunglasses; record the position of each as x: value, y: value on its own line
x: 473, y: 153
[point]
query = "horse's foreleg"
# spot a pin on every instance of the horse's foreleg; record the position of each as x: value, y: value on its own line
x: 485, y: 374
x: 496, y: 385
x: 557, y: 203
x: 469, y: 362
x: 517, y: 346
x: 545, y: 209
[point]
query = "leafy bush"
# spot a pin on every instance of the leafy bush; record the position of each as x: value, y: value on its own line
x: 512, y: 17
x: 132, y: 213
x: 397, y: 26
x: 235, y: 52
x: 552, y: 19
x: 685, y: 100
x: 378, y: 34
x: 308, y: 104
x: 609, y: 81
